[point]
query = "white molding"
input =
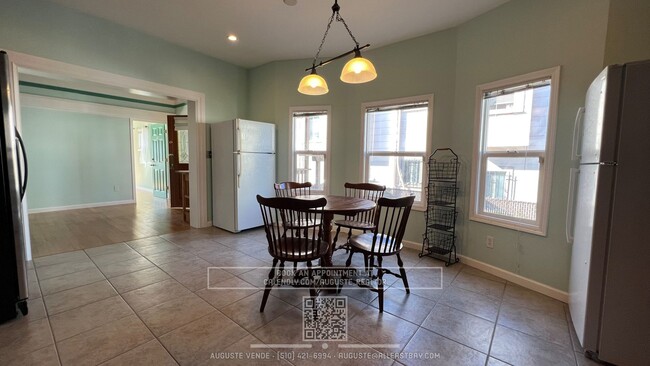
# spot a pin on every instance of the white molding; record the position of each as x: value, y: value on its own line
x: 506, y: 275
x: 76, y: 207
x: 546, y: 175
x: 198, y: 158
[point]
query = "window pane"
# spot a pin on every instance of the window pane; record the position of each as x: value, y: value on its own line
x: 317, y: 133
x: 517, y: 121
x: 299, y: 141
x: 183, y: 147
x: 402, y: 175
x: 311, y: 168
x: 511, y: 187
x: 397, y: 130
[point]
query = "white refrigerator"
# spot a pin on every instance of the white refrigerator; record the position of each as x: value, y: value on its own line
x: 608, y: 219
x: 243, y: 166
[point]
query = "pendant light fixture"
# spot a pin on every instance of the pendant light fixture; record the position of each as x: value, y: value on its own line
x: 356, y: 71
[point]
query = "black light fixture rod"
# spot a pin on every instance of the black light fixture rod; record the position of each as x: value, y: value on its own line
x: 323, y: 63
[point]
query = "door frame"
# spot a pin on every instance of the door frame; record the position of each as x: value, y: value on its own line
x: 195, y: 111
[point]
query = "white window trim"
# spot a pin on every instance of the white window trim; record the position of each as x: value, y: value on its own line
x: 363, y: 173
x: 328, y: 153
x: 544, y: 194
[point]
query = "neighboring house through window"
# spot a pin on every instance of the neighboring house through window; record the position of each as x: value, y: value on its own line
x: 396, y: 145
x: 514, y: 138
x: 310, y: 146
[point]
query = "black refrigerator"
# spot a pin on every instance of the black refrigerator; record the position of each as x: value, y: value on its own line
x: 13, y: 182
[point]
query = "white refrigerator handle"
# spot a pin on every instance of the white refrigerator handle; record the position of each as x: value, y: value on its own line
x: 577, y: 134
x: 238, y: 157
x: 570, y: 208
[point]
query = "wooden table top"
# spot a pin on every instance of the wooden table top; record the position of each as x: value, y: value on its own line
x: 342, y: 205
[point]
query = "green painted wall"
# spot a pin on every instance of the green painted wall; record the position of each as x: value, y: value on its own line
x: 628, y: 31
x: 519, y: 37
x: 47, y: 30
x: 76, y: 158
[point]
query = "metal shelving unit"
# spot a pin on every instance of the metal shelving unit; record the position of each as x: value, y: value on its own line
x: 442, y: 191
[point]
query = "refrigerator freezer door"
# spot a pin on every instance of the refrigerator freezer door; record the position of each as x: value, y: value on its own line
x: 598, y: 137
x: 589, y: 250
x: 257, y: 175
x: 625, y: 331
x: 251, y: 136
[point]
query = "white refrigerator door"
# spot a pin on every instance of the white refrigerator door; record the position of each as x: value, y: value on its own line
x: 597, y: 140
x: 251, y: 136
x: 256, y: 175
x: 223, y: 175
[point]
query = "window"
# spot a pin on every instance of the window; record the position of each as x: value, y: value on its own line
x: 310, y: 146
x: 514, y: 135
x: 396, y: 145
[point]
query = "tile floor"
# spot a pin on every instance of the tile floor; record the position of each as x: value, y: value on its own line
x: 147, y: 302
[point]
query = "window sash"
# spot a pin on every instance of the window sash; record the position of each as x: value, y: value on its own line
x: 295, y: 155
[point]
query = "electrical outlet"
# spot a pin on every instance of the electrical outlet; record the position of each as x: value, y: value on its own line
x: 489, y: 242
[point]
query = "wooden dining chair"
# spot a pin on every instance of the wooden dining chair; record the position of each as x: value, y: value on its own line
x: 363, y: 221
x: 390, y: 220
x: 292, y: 189
x: 305, y: 244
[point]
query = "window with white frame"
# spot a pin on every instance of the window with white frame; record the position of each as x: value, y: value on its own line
x: 310, y: 146
x: 514, y: 136
x: 396, y: 145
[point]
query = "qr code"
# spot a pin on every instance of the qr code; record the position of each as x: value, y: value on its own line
x: 325, y: 318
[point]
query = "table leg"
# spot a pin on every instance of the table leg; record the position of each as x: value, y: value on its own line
x: 327, y: 237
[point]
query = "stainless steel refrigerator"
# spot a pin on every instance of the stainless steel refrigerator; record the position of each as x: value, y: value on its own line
x: 609, y: 217
x: 13, y: 182
x: 243, y: 166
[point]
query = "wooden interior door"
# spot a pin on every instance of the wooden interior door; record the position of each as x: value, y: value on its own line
x: 159, y: 159
x: 178, y: 159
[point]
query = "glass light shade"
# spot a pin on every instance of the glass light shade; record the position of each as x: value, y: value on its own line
x: 313, y: 84
x: 358, y: 70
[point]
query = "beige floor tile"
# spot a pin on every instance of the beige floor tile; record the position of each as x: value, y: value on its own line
x: 77, y: 256
x: 156, y: 248
x: 476, y: 272
x: 371, y: 327
x: 449, y: 352
x: 180, y: 267
x: 115, y: 269
x: 87, y: 317
x: 145, y: 242
x: 20, y: 338
x: 519, y: 348
x: 76, y: 297
x: 409, y: 307
x: 227, y: 292
x: 246, y: 312
x: 154, y: 294
x: 194, y: 343
x: 72, y: 280
x: 198, y: 280
x: 547, y: 326
x: 518, y: 295
x: 150, y: 353
x: 138, y: 279
x: 116, y: 257
x: 293, y: 296
x: 108, y: 249
x: 581, y: 360
x: 494, y: 362
x: 237, y: 262
x: 285, y: 329
x: 479, y: 285
x: 471, y: 302
x: 245, y: 355
x: 169, y: 256
x: 175, y: 313
x: 36, y: 309
x: 104, y: 343
x: 461, y: 327
x: 33, y: 287
x: 61, y: 269
x: 43, y: 357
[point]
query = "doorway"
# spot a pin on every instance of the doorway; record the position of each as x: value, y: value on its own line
x: 149, y: 159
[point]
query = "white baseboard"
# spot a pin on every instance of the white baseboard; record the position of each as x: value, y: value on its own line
x: 506, y: 275
x: 76, y: 207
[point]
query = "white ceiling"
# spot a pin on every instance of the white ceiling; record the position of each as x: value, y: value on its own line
x: 269, y: 30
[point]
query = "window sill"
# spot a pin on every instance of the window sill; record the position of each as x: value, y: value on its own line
x: 530, y: 229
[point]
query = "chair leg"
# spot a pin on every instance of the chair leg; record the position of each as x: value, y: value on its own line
x: 269, y: 284
x: 347, y: 242
x: 365, y: 262
x: 372, y: 263
x: 312, y: 283
x: 281, y: 272
x: 380, y: 284
x: 402, y: 272
x: 336, y: 237
x: 349, y: 261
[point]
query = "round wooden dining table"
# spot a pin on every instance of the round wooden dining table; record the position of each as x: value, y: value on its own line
x: 337, y: 205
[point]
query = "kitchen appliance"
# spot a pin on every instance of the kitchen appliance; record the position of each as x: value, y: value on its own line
x: 243, y: 166
x: 609, y: 289
x: 13, y: 182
